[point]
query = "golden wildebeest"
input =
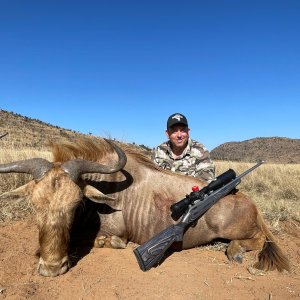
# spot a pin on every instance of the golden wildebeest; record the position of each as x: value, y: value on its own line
x: 139, y: 195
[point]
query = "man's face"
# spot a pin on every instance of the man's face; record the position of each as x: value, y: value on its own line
x: 178, y: 135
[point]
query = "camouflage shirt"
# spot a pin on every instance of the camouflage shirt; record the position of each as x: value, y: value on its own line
x: 195, y: 160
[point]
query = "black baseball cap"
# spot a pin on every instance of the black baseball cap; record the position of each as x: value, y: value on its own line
x: 177, y: 118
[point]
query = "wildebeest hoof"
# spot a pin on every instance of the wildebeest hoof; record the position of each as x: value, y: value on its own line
x: 117, y: 242
x: 109, y: 242
x: 100, y: 241
x: 235, y: 254
x: 238, y: 258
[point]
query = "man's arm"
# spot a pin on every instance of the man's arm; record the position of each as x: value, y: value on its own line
x: 202, y: 167
x: 205, y: 171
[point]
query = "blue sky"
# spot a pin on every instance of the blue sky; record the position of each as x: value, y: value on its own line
x: 120, y: 68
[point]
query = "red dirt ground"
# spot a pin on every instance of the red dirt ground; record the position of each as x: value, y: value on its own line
x: 114, y: 274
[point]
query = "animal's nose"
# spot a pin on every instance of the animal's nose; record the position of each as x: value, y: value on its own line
x: 52, y: 270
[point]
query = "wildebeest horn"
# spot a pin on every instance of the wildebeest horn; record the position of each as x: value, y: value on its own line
x: 77, y: 167
x: 34, y: 166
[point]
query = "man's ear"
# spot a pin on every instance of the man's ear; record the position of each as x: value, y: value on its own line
x: 96, y: 196
x: 167, y: 134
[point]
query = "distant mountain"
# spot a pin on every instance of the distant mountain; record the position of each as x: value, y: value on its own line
x: 272, y: 150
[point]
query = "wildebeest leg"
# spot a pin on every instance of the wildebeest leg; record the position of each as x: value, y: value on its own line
x: 237, y: 248
x: 112, y: 232
x: 109, y: 242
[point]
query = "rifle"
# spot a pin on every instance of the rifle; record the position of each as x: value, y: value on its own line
x: 190, y: 209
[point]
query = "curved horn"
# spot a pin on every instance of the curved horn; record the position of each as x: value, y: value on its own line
x: 34, y: 166
x: 77, y: 167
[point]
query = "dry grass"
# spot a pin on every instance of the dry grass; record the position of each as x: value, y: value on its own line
x: 274, y: 187
x: 16, y: 209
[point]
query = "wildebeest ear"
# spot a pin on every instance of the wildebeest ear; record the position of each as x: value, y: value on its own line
x: 23, y: 191
x: 95, y: 195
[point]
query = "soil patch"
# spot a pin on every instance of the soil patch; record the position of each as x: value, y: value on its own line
x: 198, y: 273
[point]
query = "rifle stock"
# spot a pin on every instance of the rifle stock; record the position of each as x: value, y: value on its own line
x: 151, y: 253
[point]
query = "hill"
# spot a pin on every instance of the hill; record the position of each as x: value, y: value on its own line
x: 272, y: 150
x: 25, y: 132
x: 30, y: 133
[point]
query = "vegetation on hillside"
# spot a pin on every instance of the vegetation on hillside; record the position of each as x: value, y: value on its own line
x: 25, y: 132
x: 273, y: 150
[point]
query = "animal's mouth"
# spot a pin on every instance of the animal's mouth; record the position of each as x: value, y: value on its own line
x: 53, y: 269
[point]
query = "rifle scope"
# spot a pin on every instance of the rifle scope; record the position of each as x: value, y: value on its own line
x: 181, y: 206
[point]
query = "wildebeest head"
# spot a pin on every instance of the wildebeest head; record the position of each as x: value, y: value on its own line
x: 56, y: 191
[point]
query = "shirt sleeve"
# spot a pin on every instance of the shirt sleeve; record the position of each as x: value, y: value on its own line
x: 202, y: 167
x: 205, y: 170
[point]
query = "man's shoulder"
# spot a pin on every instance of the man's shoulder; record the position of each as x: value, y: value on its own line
x: 162, y: 147
x: 197, y: 147
x: 161, y: 151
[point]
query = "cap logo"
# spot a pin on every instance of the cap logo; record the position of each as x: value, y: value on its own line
x: 177, y: 117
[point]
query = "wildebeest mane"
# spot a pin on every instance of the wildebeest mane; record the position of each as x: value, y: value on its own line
x: 141, y: 158
x: 82, y: 148
x: 88, y: 149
